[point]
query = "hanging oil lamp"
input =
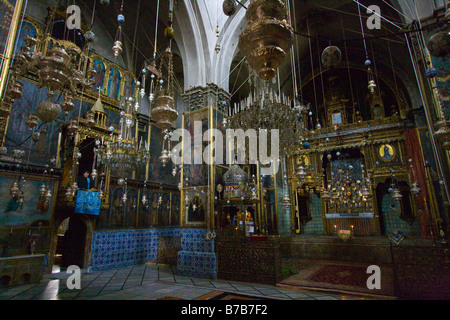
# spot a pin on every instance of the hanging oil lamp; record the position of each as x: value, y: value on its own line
x: 31, y: 121
x: 396, y: 195
x: 164, y: 158
x: 14, y: 190
x: 67, y: 104
x: 117, y: 47
x: 74, y: 188
x: 124, y: 198
x: 267, y: 36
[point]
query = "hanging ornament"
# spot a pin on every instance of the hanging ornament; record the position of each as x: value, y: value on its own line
x: 69, y: 192
x: 331, y: 57
x: 164, y: 158
x: 47, y: 111
x: 31, y: 121
x: 41, y: 144
x: 415, y: 189
x: 267, y: 36
x: 396, y: 195
x: 164, y: 112
x: 94, y: 174
x: 372, y: 86
x: 229, y: 7
x: 67, y: 104
x: 117, y: 47
x: 90, y: 36
x: 73, y: 126
x: 35, y: 136
x: 42, y: 189
x: 14, y: 190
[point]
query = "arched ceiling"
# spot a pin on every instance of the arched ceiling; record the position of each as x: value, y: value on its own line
x: 329, y: 22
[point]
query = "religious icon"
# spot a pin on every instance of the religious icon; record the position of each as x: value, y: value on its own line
x: 114, y: 84
x: 196, y: 210
x: 303, y: 161
x: 386, y: 152
x: 336, y: 118
x: 99, y: 78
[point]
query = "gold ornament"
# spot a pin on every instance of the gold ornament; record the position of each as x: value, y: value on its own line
x: 48, y: 111
x: 267, y: 37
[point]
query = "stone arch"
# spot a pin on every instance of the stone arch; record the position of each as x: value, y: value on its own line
x: 228, y: 41
x: 58, y: 219
x: 190, y: 45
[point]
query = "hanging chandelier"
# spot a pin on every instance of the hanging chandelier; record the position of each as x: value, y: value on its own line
x: 268, y: 110
x: 57, y: 70
x: 164, y: 112
x: 267, y: 37
x: 124, y: 152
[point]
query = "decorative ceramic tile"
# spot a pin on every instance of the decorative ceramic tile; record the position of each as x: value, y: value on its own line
x: 119, y: 248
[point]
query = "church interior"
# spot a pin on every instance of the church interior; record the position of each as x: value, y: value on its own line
x: 301, y: 145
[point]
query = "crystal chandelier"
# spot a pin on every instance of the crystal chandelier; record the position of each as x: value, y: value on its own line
x: 270, y: 110
x: 124, y: 153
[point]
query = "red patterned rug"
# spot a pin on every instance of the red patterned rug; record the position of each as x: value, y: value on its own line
x: 336, y: 276
x: 341, y: 275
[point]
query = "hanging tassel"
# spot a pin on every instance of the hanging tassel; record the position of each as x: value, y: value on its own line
x: 42, y: 141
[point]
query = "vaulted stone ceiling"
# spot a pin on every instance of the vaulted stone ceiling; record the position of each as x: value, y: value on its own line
x: 330, y: 21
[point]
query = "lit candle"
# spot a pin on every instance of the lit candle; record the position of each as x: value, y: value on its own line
x: 335, y: 228
x: 352, y: 230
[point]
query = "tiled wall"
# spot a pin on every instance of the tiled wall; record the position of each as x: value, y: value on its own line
x: 196, y: 257
x: 119, y: 248
x: 392, y: 220
x: 315, y: 226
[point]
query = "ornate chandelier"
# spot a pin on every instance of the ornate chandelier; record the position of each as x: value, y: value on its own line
x: 164, y: 112
x: 267, y: 36
x: 57, y: 71
x: 267, y: 109
x: 124, y: 153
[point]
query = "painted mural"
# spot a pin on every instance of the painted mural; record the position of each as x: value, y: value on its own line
x: 42, y: 146
x: 99, y: 78
x: 114, y: 83
x: 26, y: 29
x: 33, y: 210
x: 128, y: 88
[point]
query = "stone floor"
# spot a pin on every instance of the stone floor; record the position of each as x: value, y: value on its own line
x: 150, y: 282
